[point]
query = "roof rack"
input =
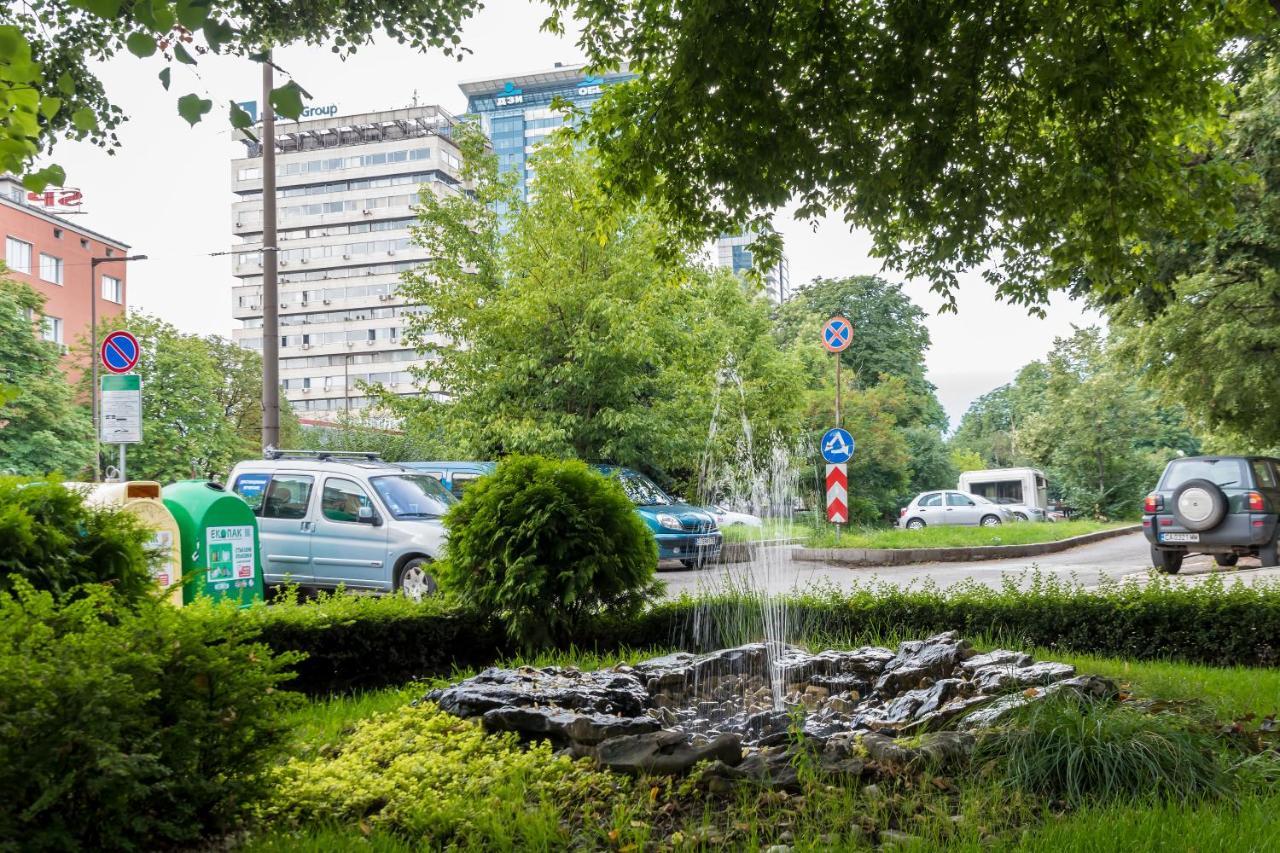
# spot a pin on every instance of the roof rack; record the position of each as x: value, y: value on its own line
x: 321, y: 455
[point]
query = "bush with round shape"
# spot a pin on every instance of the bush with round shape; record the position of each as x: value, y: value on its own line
x: 56, y: 542
x: 132, y: 726
x: 544, y: 545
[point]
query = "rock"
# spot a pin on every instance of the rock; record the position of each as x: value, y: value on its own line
x: 841, y: 746
x: 563, y: 725
x: 884, y: 750
x: 604, y: 692
x: 1089, y: 686
x: 946, y: 750
x: 773, y: 771
x: 1004, y: 676
x: 988, y: 716
x: 872, y: 792
x: 777, y: 848
x: 842, y: 706
x: 786, y: 836
x: 665, y: 752
x: 934, y: 658
x: 999, y: 657
x: 894, y: 838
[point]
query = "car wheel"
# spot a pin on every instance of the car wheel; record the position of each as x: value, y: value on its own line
x: 415, y: 581
x: 1168, y: 562
x: 1268, y: 556
x: 1020, y: 516
x: 915, y: 524
x: 1226, y: 560
x: 990, y: 521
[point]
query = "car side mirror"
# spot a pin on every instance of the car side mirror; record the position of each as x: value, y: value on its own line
x: 366, y: 515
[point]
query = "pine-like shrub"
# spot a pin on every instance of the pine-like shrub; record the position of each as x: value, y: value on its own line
x: 544, y: 545
x: 56, y: 542
x: 131, y: 726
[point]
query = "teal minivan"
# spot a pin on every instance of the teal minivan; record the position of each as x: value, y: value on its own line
x: 456, y: 476
x: 685, y: 533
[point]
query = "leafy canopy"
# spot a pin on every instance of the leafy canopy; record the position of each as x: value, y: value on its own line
x: 1045, y: 143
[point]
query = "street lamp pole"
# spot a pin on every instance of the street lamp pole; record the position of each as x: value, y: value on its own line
x: 93, y: 351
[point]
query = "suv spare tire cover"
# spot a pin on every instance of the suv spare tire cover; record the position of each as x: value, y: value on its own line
x: 1199, y: 505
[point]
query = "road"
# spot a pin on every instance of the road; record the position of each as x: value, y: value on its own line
x: 1117, y: 558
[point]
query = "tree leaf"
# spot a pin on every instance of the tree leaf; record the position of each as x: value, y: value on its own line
x: 66, y: 84
x: 192, y: 107
x: 84, y: 119
x: 49, y: 106
x: 165, y: 74
x: 191, y: 13
x: 37, y: 181
x: 287, y: 100
x: 240, y: 118
x: 217, y: 33
x: 101, y: 8
x: 183, y: 56
x: 141, y: 44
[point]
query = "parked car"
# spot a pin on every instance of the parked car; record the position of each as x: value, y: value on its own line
x: 684, y: 532
x: 948, y: 507
x: 456, y: 476
x: 329, y: 518
x: 1022, y: 511
x: 726, y: 517
x: 1220, y: 505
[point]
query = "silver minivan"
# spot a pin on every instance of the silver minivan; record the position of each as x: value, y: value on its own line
x: 330, y: 518
x: 947, y: 507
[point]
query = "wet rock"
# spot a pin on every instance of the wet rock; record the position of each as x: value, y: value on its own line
x: 563, y: 725
x: 884, y: 750
x: 999, y: 657
x: 946, y: 750
x: 934, y: 658
x: 989, y: 715
x: 1089, y: 686
x: 774, y: 771
x: 604, y: 692
x: 665, y: 752
x: 990, y: 679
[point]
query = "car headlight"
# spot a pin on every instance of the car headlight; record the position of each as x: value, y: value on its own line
x: 669, y: 521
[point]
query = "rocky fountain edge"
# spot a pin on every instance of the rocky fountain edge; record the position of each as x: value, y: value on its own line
x: 667, y: 714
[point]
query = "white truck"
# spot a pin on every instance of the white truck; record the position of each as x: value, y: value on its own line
x: 1023, y: 491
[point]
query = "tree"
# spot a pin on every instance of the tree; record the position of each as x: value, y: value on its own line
x: 201, y: 403
x: 1045, y: 144
x: 42, y: 428
x: 51, y: 52
x: 1213, y: 342
x: 568, y: 332
x: 990, y: 428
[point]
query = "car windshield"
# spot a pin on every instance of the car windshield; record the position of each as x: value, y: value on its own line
x: 1220, y: 472
x: 642, y: 490
x: 413, y: 495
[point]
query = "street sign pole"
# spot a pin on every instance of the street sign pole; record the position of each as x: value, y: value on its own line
x: 837, y: 334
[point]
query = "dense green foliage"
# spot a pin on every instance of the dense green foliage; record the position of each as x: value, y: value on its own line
x: 1077, y: 750
x: 430, y: 776
x: 54, y: 542
x: 130, y: 727
x: 201, y: 403
x: 569, y: 333
x: 42, y: 429
x: 544, y: 545
x: 1056, y: 142
x: 51, y: 52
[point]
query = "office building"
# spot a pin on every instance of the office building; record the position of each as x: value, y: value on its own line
x: 516, y: 112
x: 54, y: 254
x: 346, y: 187
x: 733, y: 252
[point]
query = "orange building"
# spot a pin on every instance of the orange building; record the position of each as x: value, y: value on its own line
x: 55, y: 256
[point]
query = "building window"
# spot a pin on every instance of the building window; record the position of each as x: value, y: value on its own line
x: 112, y: 289
x: 84, y: 243
x: 110, y: 252
x: 17, y: 254
x: 52, y: 330
x: 51, y: 268
x: 57, y: 233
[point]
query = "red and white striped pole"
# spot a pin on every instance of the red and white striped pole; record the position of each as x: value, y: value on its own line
x: 838, y: 493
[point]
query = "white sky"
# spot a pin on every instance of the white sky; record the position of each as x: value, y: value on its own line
x: 166, y: 190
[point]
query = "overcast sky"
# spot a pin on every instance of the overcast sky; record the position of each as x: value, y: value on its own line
x: 166, y: 191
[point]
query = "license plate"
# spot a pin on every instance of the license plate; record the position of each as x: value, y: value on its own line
x: 705, y: 541
x: 1179, y: 537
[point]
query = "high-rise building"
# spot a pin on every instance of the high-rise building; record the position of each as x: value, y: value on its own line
x: 733, y: 252
x: 56, y: 256
x: 516, y: 112
x: 345, y: 187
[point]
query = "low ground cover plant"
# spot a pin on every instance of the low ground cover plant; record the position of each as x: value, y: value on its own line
x: 545, y: 545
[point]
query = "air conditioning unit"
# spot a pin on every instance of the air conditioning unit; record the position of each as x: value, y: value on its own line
x: 284, y: 304
x: 306, y: 346
x: 304, y: 260
x: 346, y: 257
x: 351, y: 343
x: 328, y: 302
x: 382, y: 297
x: 369, y: 343
x: 391, y: 251
x: 284, y: 263
x: 306, y: 390
x: 367, y: 212
x: 304, y: 305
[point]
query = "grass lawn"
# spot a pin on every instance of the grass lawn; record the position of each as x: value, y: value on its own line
x: 952, y: 536
x: 599, y: 811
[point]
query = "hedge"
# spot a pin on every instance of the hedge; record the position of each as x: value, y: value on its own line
x: 361, y: 642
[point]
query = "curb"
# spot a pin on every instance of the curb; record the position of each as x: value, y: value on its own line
x: 903, y: 556
x: 745, y: 552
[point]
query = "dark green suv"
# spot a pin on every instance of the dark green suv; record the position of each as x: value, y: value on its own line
x: 1220, y: 505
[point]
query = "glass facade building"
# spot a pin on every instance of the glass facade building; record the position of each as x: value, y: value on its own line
x: 733, y: 252
x: 516, y: 112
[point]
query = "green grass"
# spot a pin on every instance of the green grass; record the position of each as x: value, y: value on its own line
x: 952, y: 536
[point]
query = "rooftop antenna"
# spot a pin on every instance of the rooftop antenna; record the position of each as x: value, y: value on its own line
x: 415, y: 98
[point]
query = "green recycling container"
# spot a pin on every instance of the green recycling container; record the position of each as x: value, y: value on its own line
x: 219, y: 533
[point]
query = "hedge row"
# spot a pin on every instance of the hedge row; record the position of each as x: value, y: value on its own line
x: 361, y: 642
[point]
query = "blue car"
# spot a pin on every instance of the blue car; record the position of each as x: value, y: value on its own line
x: 684, y: 532
x: 456, y: 476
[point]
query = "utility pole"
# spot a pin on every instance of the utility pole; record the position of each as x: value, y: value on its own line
x: 270, y: 259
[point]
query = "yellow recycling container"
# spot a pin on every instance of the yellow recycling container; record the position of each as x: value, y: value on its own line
x: 141, y: 498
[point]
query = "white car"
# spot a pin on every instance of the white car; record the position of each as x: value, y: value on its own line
x: 1022, y: 511
x: 948, y: 507
x: 726, y: 517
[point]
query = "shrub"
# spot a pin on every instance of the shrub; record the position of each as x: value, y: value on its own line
x: 54, y: 541
x: 445, y: 783
x: 545, y: 544
x: 1077, y: 750
x: 130, y: 727
x: 363, y: 642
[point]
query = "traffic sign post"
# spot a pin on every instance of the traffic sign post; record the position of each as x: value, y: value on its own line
x: 120, y: 397
x: 119, y: 352
x: 837, y: 444
x: 838, y: 494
